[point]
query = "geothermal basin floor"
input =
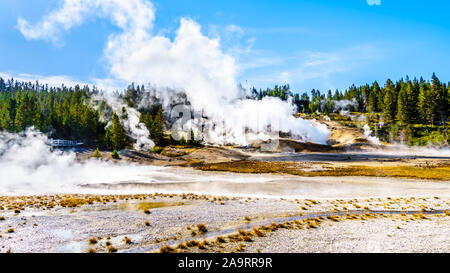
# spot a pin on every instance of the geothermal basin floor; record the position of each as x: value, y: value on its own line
x: 194, y: 223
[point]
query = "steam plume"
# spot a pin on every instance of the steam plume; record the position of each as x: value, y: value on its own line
x: 192, y: 62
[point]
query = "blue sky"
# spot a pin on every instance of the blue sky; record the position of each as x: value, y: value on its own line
x: 325, y: 44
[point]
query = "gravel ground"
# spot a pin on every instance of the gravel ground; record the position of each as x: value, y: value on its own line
x: 375, y: 235
x: 68, y: 229
x: 62, y: 229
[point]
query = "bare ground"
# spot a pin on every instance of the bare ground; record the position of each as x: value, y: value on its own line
x: 173, y: 220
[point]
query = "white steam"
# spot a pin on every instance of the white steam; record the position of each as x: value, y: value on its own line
x: 29, y: 166
x: 130, y: 121
x: 191, y: 62
x: 344, y: 105
x: 368, y: 133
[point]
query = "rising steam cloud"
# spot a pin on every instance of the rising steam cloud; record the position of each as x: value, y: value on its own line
x: 28, y: 165
x: 191, y: 62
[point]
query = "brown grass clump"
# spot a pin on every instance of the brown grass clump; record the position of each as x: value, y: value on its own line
x: 333, y: 218
x: 182, y: 246
x: 73, y: 202
x: 310, y: 225
x: 242, y: 232
x: 127, y: 241
x: 11, y: 230
x: 92, y: 241
x: 167, y: 249
x: 112, y: 249
x: 192, y: 243
x: 202, y: 245
x: 234, y: 237
x: 240, y: 248
x: 2, y: 218
x: 91, y: 250
x: 202, y: 228
x: 147, y: 223
x: 154, y: 205
x: 220, y: 239
x: 258, y: 232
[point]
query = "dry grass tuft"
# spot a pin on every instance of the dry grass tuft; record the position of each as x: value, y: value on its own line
x: 112, y: 249
x: 192, y: 243
x: 202, y: 245
x: 91, y: 250
x: 92, y: 241
x: 202, y: 229
x: 167, y: 249
x: 220, y: 239
x: 258, y: 232
x: 127, y: 241
x: 182, y: 246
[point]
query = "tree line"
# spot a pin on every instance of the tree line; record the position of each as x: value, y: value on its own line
x: 69, y: 112
x: 62, y: 112
x: 406, y: 101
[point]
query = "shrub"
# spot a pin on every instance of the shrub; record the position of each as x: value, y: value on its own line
x: 202, y: 228
x: 167, y: 249
x: 92, y: 241
x: 115, y: 154
x: 112, y: 249
x: 158, y: 149
x: 97, y: 153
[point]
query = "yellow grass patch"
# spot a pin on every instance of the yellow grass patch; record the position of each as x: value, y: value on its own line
x: 438, y: 172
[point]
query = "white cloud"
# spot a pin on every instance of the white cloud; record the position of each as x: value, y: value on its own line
x: 130, y: 15
x: 235, y: 29
x: 374, y: 2
x: 313, y: 66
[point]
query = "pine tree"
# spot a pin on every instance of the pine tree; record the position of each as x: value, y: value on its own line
x: 424, y: 105
x: 402, y: 107
x: 372, y: 103
x: 6, y: 122
x: 147, y: 120
x: 116, y: 133
x: 157, y: 128
x: 97, y: 153
x: 435, y: 93
x: 389, y: 109
x: 115, y: 154
x: 412, y: 97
